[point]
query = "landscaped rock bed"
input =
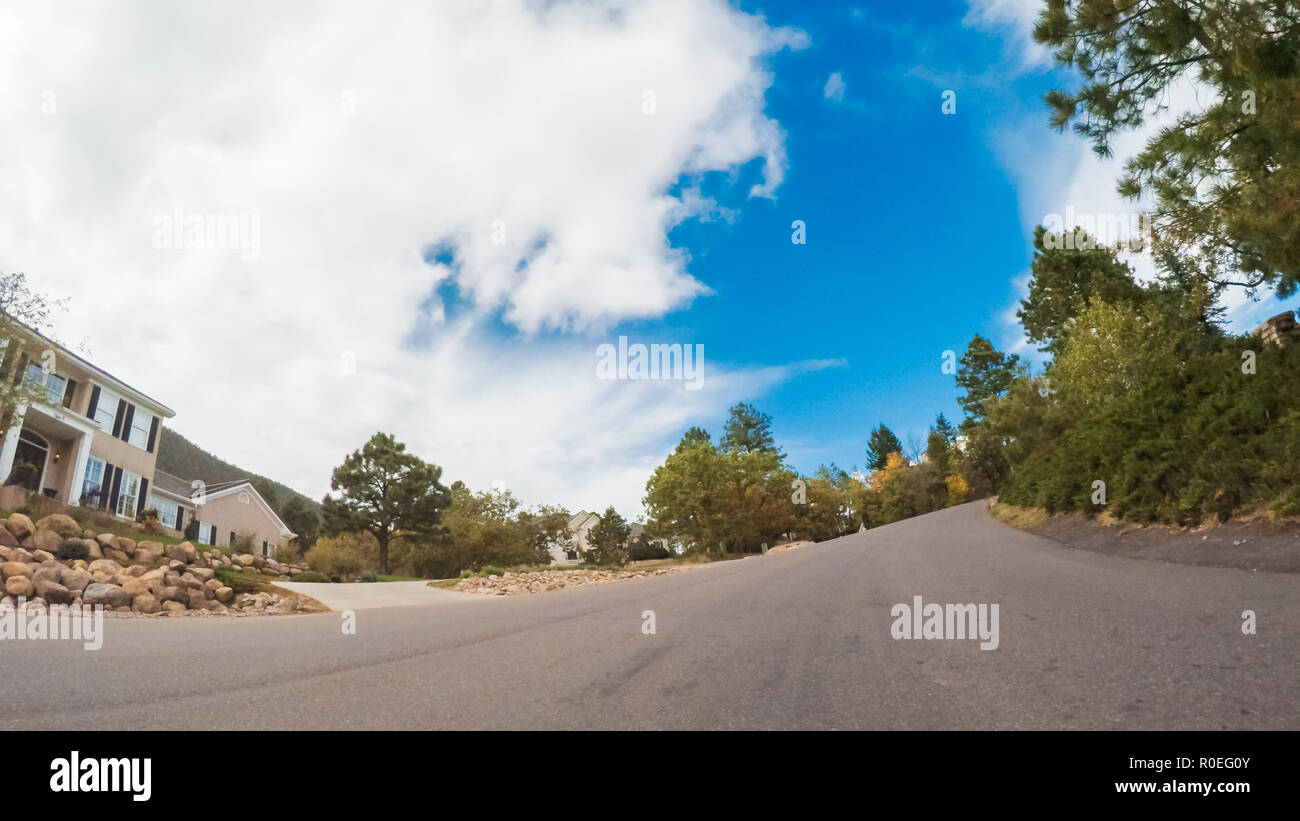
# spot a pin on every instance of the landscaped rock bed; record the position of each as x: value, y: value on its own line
x: 127, y: 577
x: 542, y: 581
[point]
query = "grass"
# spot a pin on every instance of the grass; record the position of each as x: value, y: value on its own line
x: 1018, y: 517
x: 117, y: 527
x: 387, y: 578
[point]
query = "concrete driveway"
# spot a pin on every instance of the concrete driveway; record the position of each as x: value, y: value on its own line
x: 369, y: 595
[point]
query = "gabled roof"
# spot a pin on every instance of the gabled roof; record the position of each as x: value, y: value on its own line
x: 184, y: 490
x: 107, y: 378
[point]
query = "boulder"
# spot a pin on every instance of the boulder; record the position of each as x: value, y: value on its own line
x: 16, y: 569
x: 136, y: 586
x: 224, y: 594
x: 176, y: 565
x: 144, y: 557
x: 145, y: 603
x: 21, y: 554
x: 53, y: 592
x: 92, y: 548
x: 62, y: 524
x: 215, y: 607
x: 109, y: 595
x: 196, y: 600
x: 74, y: 579
x: 135, y: 571
x: 43, y: 556
x: 50, y: 571
x: 174, y: 607
x: 105, y: 566
x: 7, y: 539
x: 127, y: 545
x: 190, y: 581
x: 20, y: 586
x: 119, y: 556
x: 108, y: 540
x: 167, y: 593
x: 19, y: 525
x: 266, y: 571
x: 5, y: 553
x: 47, y: 540
x: 213, y: 584
x: 203, y: 574
x: 244, y: 559
x: 88, y: 534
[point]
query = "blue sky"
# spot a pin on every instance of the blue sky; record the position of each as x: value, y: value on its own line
x: 456, y: 203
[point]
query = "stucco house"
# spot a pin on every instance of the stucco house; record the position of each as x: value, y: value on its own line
x: 222, y: 510
x: 90, y: 439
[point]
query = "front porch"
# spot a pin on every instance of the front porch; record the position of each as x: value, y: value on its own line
x: 45, y: 452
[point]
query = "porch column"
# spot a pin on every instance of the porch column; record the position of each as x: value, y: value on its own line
x: 79, y: 470
x: 9, y: 445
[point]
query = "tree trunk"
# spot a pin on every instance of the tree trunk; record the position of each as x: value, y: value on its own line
x: 383, y: 554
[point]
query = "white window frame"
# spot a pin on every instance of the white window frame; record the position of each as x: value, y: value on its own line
x: 141, y: 441
x: 106, y: 409
x: 167, y: 510
x: 91, y: 462
x: 123, y: 495
x: 45, y: 380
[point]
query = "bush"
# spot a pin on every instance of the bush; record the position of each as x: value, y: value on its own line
x: 192, y: 529
x: 71, y: 550
x: 149, y: 522
x: 237, y: 581
x: 640, y: 550
x: 369, y: 578
x: 343, y: 555
x: 310, y: 577
x: 246, y: 542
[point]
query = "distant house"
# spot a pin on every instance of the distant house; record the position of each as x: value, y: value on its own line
x: 222, y: 510
x: 580, y: 526
x: 89, y: 440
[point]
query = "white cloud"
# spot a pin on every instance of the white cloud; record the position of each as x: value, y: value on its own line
x: 834, y: 88
x: 1016, y: 16
x: 359, y: 137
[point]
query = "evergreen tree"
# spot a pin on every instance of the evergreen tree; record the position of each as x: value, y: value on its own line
x: 882, y: 443
x: 984, y: 372
x: 747, y: 431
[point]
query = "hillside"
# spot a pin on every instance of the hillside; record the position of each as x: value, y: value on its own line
x: 181, y: 457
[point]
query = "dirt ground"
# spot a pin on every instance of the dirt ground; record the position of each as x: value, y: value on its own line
x: 1247, y: 545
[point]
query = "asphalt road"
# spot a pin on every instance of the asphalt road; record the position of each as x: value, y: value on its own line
x: 795, y: 640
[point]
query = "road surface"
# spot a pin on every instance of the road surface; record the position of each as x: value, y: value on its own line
x: 794, y: 640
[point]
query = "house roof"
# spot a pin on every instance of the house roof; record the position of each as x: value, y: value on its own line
x: 110, y: 380
x: 184, y: 489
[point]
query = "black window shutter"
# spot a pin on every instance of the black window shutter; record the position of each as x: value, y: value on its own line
x: 94, y: 401
x: 126, y: 422
x: 22, y: 368
x: 153, y: 434
x: 117, y: 421
x: 67, y: 393
x: 180, y: 519
x: 142, y: 503
x: 117, y: 487
x: 105, y: 485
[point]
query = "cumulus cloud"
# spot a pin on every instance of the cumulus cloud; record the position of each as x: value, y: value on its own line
x: 523, y: 160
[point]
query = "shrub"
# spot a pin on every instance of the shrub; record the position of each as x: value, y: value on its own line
x: 192, y: 529
x: 237, y: 581
x: 343, y: 555
x: 311, y: 577
x: 370, y: 578
x: 640, y: 550
x: 246, y: 541
x: 149, y: 522
x: 71, y: 550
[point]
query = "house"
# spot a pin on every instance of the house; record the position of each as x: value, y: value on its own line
x: 580, y: 525
x: 222, y: 510
x: 90, y: 439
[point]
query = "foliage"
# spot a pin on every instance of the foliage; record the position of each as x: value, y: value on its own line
x: 607, y: 539
x: 237, y: 580
x: 311, y: 576
x: 880, y: 445
x: 71, y: 550
x: 303, y: 520
x: 746, y: 431
x: 387, y: 491
x: 1225, y: 174
x: 983, y: 373
x: 345, y: 554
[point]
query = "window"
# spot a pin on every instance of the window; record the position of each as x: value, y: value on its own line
x: 94, y: 478
x: 106, y: 410
x: 128, y: 495
x: 141, y: 421
x: 207, y: 534
x: 266, y: 549
x: 167, y: 510
x: 55, y: 385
